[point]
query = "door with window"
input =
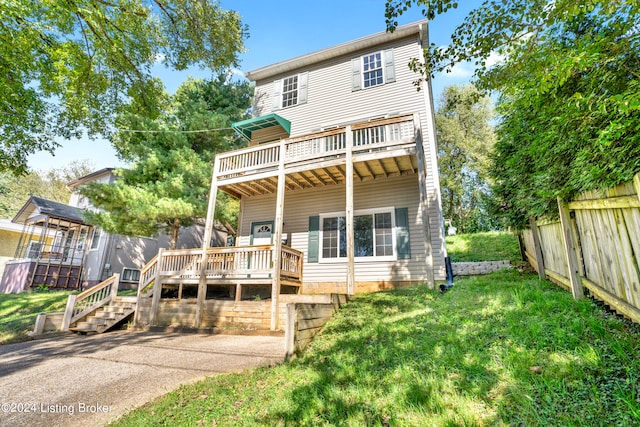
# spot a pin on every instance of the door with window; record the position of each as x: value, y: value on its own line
x: 261, y: 234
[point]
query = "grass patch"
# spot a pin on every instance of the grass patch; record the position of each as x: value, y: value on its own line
x: 18, y: 312
x: 415, y: 357
x: 483, y: 247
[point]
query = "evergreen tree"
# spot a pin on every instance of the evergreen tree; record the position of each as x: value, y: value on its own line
x: 172, y: 154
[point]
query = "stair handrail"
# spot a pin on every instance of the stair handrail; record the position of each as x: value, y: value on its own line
x: 147, y: 277
x: 90, y: 300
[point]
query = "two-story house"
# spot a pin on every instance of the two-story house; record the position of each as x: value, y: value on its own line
x: 341, y: 165
x: 338, y: 191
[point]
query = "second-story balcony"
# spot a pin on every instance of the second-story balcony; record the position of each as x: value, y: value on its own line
x: 379, y: 148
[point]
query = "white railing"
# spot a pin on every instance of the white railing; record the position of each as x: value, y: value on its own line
x: 367, y: 136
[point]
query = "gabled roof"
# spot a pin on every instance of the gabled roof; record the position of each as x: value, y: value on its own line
x: 417, y: 28
x: 50, y: 208
x: 90, y: 177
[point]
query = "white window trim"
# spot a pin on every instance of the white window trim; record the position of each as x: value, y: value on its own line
x: 339, y: 259
x: 93, y: 236
x: 301, y: 91
x: 382, y: 67
x: 30, y: 248
x: 129, y: 280
x: 297, y: 91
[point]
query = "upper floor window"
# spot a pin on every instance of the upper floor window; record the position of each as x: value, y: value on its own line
x: 373, y: 69
x: 95, y: 239
x: 290, y: 91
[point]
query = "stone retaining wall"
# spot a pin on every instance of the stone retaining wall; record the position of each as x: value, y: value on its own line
x: 476, y: 268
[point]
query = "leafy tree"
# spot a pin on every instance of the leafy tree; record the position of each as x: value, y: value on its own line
x: 69, y: 66
x: 569, y: 93
x: 465, y: 139
x: 15, y: 190
x: 172, y: 154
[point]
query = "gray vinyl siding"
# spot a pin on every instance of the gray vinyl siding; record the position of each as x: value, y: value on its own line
x: 299, y: 205
x: 331, y: 101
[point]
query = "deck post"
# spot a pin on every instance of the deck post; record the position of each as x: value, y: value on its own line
x: 351, y: 287
x: 570, y: 250
x: 68, y: 313
x: 157, y: 290
x: 424, y: 202
x: 206, y: 243
x: 114, y: 286
x: 276, y: 256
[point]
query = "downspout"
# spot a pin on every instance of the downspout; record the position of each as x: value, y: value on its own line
x: 446, y: 286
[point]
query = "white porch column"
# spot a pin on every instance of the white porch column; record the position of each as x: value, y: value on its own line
x: 351, y: 284
x: 276, y: 257
x: 206, y: 243
x: 424, y: 202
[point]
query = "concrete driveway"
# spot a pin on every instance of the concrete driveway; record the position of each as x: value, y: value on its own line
x: 74, y: 380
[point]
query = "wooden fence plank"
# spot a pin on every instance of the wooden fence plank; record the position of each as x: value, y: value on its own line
x: 621, y: 307
x: 605, y: 254
x: 570, y: 250
x: 537, y: 249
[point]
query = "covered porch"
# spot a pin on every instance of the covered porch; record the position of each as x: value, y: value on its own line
x: 51, y: 247
x: 186, y: 287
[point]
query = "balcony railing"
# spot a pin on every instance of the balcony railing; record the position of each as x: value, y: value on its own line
x: 236, y: 262
x: 367, y: 137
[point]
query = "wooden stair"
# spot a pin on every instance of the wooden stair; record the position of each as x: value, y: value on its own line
x: 106, y: 317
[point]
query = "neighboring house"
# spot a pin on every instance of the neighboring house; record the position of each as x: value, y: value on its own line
x: 58, y: 248
x: 354, y: 142
x: 9, y: 239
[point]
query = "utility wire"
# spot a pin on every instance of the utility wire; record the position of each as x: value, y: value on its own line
x: 172, y: 130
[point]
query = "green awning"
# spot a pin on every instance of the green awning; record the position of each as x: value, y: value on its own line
x: 246, y: 127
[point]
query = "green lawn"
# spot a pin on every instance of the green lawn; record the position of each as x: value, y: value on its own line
x: 499, y: 350
x: 18, y: 312
x: 483, y: 247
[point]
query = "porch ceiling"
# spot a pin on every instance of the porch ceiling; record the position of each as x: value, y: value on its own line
x: 332, y: 174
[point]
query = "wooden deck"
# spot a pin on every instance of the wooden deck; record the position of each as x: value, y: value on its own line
x: 380, y: 148
x: 188, y: 279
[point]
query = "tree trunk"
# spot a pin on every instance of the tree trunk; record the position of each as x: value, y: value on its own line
x: 175, y: 229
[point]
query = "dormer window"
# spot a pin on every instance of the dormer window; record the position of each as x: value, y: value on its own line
x: 290, y: 91
x: 373, y: 69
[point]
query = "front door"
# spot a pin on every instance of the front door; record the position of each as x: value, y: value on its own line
x: 262, y: 233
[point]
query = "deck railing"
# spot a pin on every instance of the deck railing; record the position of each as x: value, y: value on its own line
x: 367, y: 136
x: 222, y: 263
